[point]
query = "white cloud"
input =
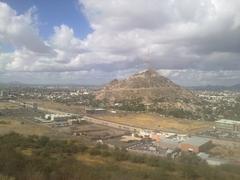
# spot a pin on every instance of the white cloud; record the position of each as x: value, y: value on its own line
x: 201, y: 36
x: 64, y: 39
x: 19, y: 30
x: 190, y: 77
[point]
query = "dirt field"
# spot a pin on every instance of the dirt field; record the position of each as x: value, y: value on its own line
x: 226, y: 152
x: 154, y: 121
x: 26, y: 127
x: 19, y: 120
x: 8, y: 105
x: 58, y: 106
x: 22, y: 127
x: 230, y: 150
x: 149, y: 121
x: 95, y: 132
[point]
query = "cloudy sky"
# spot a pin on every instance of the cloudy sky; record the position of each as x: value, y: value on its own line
x: 93, y: 41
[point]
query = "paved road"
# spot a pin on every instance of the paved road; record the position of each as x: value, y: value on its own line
x: 111, y: 124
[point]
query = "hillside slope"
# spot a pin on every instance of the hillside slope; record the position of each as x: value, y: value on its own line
x: 151, y: 89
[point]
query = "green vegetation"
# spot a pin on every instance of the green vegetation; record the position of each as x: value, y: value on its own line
x: 180, y: 113
x: 4, y: 122
x: 221, y: 109
x: 37, y: 158
x: 134, y: 104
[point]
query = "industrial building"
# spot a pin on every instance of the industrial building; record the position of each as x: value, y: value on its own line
x: 196, y: 144
x: 95, y: 111
x: 227, y: 125
x: 166, y: 143
x: 58, y: 117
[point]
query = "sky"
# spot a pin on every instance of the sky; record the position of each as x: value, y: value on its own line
x: 193, y: 43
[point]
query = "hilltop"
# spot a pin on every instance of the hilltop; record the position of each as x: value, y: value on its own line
x: 148, y: 90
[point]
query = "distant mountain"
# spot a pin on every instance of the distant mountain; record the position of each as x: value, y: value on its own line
x: 216, y: 88
x: 236, y: 87
x: 11, y: 84
x: 17, y: 84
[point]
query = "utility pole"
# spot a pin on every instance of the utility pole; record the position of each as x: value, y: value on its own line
x: 147, y: 61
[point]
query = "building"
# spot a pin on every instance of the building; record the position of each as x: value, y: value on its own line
x: 155, y: 136
x: 59, y: 117
x: 196, y: 144
x: 3, y: 94
x: 144, y: 133
x: 166, y: 143
x: 96, y: 111
x: 227, y: 125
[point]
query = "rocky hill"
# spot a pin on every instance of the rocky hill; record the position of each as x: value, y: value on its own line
x: 152, y: 90
x: 148, y: 85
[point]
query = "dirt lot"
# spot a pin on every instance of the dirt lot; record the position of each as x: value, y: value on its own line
x: 95, y: 132
x: 58, y: 106
x: 20, y: 126
x: 15, y: 118
x: 142, y: 120
x: 226, y: 149
x: 21, y: 120
x: 154, y: 121
x: 8, y: 105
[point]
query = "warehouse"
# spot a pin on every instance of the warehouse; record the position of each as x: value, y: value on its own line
x: 227, y: 125
x: 95, y: 111
x: 166, y: 143
x: 196, y: 144
x: 59, y: 117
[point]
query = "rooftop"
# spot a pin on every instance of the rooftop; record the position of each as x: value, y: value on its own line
x: 197, y: 141
x: 228, y: 121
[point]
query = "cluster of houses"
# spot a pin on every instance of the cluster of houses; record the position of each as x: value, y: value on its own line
x: 216, y: 97
x: 177, y: 141
x: 173, y: 144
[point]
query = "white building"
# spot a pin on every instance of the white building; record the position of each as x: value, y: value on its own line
x: 58, y: 117
x: 227, y: 125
